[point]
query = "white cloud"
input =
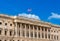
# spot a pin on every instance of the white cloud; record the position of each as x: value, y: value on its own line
x: 29, y: 16
x: 54, y: 15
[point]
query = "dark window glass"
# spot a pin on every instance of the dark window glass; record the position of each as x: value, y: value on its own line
x: 35, y: 27
x: 39, y: 28
x: 0, y: 32
x: 49, y: 36
x: 5, y: 40
x: 45, y: 28
x: 45, y: 35
x: 0, y: 40
x: 5, y: 32
x: 5, y: 23
x: 0, y: 23
x: 39, y: 35
x: 27, y: 26
x: 10, y: 33
x: 18, y: 40
x: 10, y: 24
x: 13, y: 40
x: 42, y: 28
x: 23, y: 25
x: 31, y: 26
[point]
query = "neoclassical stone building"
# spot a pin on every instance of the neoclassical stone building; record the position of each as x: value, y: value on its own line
x: 15, y: 28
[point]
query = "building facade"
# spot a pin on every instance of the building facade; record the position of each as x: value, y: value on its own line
x: 15, y: 28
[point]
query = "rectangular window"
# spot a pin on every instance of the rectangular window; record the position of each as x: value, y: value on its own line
x: 0, y: 32
x: 5, y: 32
x: 49, y: 36
x: 27, y: 26
x: 39, y: 35
x: 35, y: 34
x: 42, y: 29
x: 23, y: 25
x: 46, y: 35
x: 35, y: 27
x: 38, y: 27
x: 0, y: 40
x: 10, y: 33
x: 27, y: 34
x: 19, y: 33
x: 0, y: 23
x: 31, y: 26
x: 45, y: 28
x: 31, y: 34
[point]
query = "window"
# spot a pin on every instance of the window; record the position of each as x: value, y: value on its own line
x: 0, y: 23
x: 45, y: 28
x: 48, y: 30
x: 23, y: 25
x: 5, y: 23
x: 5, y: 32
x: 35, y: 27
x: 0, y: 40
x: 0, y: 31
x: 19, y: 33
x: 42, y: 28
x: 10, y: 33
x: 39, y: 28
x: 39, y: 35
x: 31, y: 26
x: 18, y: 40
x: 46, y: 35
x: 31, y: 34
x: 27, y: 26
x: 13, y: 40
x: 35, y: 34
x: 49, y: 36
x: 10, y: 24
x: 27, y: 34
x: 5, y: 40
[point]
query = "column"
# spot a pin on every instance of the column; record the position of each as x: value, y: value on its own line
x: 40, y: 32
x: 29, y: 32
x: 33, y: 32
x: 50, y: 34
x: 25, y: 30
x: 16, y: 28
x: 44, y: 33
x: 21, y: 29
x: 47, y: 33
x: 37, y: 32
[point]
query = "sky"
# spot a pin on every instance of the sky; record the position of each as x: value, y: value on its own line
x: 45, y: 10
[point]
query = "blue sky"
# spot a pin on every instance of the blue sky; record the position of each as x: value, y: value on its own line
x: 47, y: 10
